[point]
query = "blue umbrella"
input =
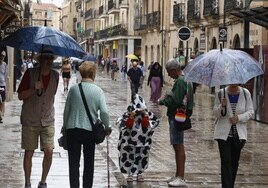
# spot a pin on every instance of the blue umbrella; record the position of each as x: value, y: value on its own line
x: 89, y: 57
x: 32, y: 38
x: 222, y: 67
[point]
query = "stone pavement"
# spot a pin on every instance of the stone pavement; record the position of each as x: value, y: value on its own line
x: 202, y: 163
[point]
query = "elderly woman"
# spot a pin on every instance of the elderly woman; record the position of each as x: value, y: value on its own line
x: 78, y: 126
x: 233, y: 108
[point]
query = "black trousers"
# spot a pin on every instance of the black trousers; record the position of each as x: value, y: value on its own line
x: 230, y: 155
x: 76, y: 138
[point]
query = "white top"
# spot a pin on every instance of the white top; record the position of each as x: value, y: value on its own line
x: 244, y: 111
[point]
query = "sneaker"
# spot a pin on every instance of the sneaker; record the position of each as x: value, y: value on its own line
x: 42, y: 185
x: 171, y: 179
x: 130, y: 178
x: 177, y: 182
x: 140, y: 178
x: 28, y: 185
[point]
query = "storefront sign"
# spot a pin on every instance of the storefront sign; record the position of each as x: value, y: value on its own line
x: 12, y: 27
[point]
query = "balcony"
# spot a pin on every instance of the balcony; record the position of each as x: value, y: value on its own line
x: 140, y: 23
x: 89, y: 33
x: 123, y: 3
x: 112, y: 8
x: 89, y: 14
x: 211, y: 9
x: 154, y: 19
x: 233, y: 5
x: 179, y: 14
x: 102, y: 12
x: 118, y: 30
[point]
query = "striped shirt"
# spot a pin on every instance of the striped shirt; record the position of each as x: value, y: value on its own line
x: 233, y: 102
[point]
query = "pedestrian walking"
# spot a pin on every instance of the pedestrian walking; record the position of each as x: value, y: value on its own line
x: 141, y: 66
x: 155, y: 81
x: 136, y: 127
x: 4, y: 77
x: 78, y: 126
x: 66, y: 70
x: 37, y: 114
x: 134, y: 76
x: 233, y: 112
x: 124, y: 71
x: 174, y: 101
x: 114, y: 69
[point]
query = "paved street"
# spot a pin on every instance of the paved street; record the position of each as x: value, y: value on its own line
x: 202, y: 163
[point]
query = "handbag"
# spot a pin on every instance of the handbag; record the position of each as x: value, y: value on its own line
x: 182, y: 116
x: 63, y: 139
x: 238, y: 144
x: 98, y: 127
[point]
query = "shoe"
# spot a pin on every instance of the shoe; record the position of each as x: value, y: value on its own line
x: 28, y: 185
x: 171, y: 179
x: 140, y: 178
x: 1, y: 120
x: 177, y: 182
x: 42, y: 185
x: 130, y: 178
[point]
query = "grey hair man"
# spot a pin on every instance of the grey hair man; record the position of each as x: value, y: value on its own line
x: 173, y: 102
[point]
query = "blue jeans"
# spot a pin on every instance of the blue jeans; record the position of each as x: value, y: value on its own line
x: 230, y: 156
x: 75, y: 139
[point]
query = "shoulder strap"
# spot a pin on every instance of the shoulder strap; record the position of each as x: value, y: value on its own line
x: 85, y: 104
x: 245, y: 94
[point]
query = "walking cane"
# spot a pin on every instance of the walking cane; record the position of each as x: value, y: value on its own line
x: 108, y: 160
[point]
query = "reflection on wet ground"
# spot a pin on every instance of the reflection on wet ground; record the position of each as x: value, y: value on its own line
x: 202, y: 163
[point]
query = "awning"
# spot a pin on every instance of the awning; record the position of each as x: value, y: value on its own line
x: 258, y: 15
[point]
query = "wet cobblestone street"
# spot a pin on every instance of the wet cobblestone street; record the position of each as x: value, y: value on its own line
x: 202, y: 156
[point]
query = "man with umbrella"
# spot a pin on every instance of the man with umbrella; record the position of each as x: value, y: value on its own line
x: 37, y: 91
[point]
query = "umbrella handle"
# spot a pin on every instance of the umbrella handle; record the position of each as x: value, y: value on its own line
x: 224, y: 110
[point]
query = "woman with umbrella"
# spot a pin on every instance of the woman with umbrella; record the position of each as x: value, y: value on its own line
x: 232, y: 112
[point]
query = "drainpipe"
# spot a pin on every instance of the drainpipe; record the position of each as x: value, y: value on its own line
x: 162, y: 34
x: 246, y: 26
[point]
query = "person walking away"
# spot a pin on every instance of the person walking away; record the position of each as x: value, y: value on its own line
x: 136, y: 127
x: 134, y: 76
x: 114, y: 69
x: 173, y: 101
x: 108, y: 65
x: 141, y: 66
x: 66, y: 70
x: 155, y: 81
x: 233, y: 108
x: 37, y: 90
x: 78, y: 126
x: 124, y: 71
x: 4, y: 77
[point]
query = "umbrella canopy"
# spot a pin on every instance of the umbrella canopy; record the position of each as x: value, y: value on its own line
x: 115, y: 59
x: 222, y: 67
x: 89, y: 57
x: 33, y: 37
x: 132, y: 56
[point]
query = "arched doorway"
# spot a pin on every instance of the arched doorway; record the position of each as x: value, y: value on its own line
x: 236, y: 41
x: 196, y: 47
x: 158, y: 53
x: 213, y: 43
x: 152, y: 53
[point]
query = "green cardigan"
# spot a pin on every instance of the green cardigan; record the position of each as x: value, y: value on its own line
x: 175, y: 99
x: 75, y: 115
